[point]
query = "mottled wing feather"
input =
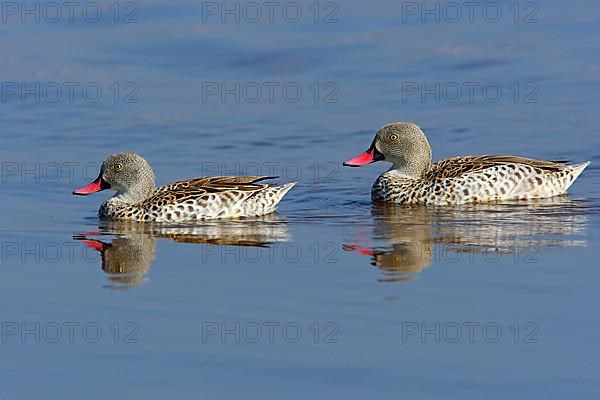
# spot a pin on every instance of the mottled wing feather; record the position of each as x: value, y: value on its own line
x: 225, y: 182
x: 458, y: 166
x: 192, y: 189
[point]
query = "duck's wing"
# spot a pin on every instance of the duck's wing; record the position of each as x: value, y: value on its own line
x: 458, y: 166
x: 239, y: 187
x: 213, y: 184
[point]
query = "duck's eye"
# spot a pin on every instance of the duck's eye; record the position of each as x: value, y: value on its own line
x: 118, y: 167
x: 393, y: 136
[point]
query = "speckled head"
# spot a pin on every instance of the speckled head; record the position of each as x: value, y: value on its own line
x: 401, y: 143
x: 127, y: 173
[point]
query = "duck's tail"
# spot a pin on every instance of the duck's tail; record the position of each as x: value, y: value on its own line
x: 574, y: 171
x: 265, y: 201
x: 279, y: 191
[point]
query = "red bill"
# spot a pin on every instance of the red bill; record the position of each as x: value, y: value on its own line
x: 96, y: 186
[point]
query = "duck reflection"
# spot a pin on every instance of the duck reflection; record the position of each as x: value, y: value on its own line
x: 127, y: 258
x: 419, y: 235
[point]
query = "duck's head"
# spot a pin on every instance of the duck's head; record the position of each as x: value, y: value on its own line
x: 401, y: 143
x: 127, y: 173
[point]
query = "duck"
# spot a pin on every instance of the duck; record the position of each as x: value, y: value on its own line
x: 138, y: 198
x: 414, y: 179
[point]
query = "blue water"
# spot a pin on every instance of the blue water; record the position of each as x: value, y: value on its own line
x: 330, y: 297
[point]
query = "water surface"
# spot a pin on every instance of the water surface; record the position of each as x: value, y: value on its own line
x: 332, y: 296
